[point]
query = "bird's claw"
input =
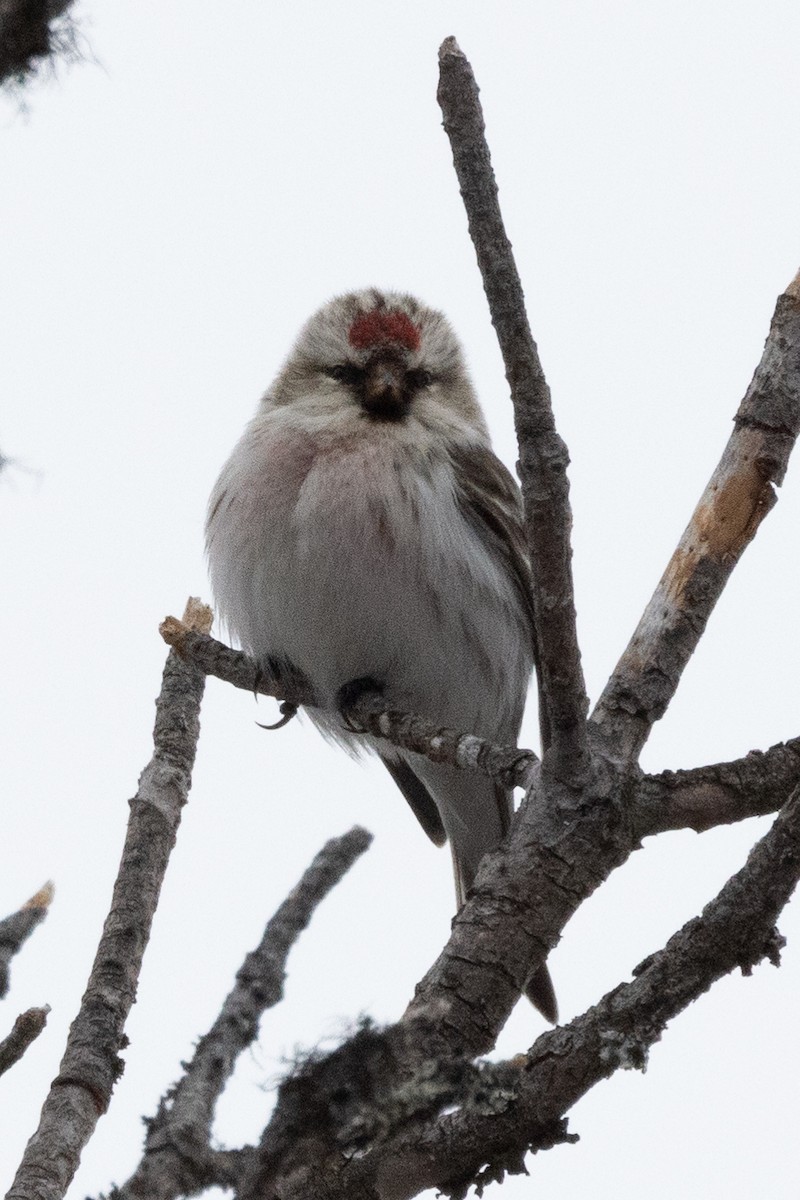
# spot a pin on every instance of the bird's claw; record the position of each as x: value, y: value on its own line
x: 288, y: 709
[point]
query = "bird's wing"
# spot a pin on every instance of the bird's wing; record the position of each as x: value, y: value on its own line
x: 422, y: 803
x: 491, y: 501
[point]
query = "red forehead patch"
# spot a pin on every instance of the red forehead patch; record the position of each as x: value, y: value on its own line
x: 379, y: 327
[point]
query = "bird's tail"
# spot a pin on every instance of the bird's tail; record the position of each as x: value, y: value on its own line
x: 476, y: 814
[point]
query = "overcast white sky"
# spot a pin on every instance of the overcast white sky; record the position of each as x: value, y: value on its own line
x: 169, y: 215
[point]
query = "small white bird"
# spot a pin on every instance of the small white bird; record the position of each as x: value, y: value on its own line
x: 363, y: 530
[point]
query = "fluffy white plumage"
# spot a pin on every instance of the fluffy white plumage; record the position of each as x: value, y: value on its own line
x: 363, y: 528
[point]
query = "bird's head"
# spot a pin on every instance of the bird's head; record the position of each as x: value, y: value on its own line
x: 383, y: 355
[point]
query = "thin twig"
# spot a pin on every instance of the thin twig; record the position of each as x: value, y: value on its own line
x: 739, y: 495
x: 17, y: 928
x: 81, y: 1091
x: 178, y: 1159
x: 410, y: 731
x: 233, y: 666
x: 699, y: 799
x: 26, y: 1029
x: 543, y: 454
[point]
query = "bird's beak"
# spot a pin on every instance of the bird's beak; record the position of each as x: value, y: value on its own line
x: 384, y: 392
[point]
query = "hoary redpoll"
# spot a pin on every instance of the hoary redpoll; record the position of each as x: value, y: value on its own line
x: 363, y: 528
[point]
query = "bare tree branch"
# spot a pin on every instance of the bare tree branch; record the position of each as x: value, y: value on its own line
x: 739, y: 495
x: 233, y: 666
x: 26, y: 1029
x: 91, y: 1065
x: 16, y: 929
x: 492, y: 942
x: 705, y: 797
x: 520, y: 1106
x: 368, y: 714
x: 555, y: 856
x: 557, y: 853
x: 507, y: 1109
x: 698, y: 799
x: 543, y: 454
x: 178, y: 1159
x: 493, y: 947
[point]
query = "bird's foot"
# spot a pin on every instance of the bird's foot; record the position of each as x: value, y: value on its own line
x: 280, y: 672
x: 350, y: 693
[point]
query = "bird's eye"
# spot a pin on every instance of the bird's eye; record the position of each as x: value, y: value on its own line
x: 345, y: 373
x: 420, y: 378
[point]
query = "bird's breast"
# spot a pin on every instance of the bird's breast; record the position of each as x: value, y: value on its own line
x: 349, y: 556
x: 315, y: 540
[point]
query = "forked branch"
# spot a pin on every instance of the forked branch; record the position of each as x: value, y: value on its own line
x: 507, y: 1109
x: 735, y: 930
x: 178, y: 1159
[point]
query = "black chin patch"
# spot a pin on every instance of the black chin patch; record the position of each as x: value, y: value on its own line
x: 385, y: 407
